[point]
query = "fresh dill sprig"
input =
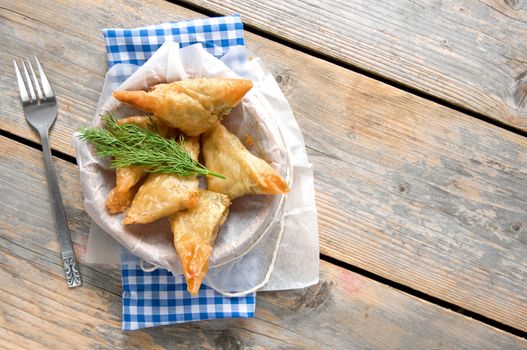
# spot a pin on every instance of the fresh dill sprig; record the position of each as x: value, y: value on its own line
x: 130, y: 144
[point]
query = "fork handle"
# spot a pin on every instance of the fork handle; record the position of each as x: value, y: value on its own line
x: 66, y: 247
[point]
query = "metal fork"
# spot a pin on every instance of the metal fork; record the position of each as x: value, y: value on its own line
x: 40, y: 108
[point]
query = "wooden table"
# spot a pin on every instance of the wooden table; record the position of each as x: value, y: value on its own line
x: 415, y: 119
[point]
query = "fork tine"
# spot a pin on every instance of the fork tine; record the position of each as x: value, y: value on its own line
x: 21, y: 86
x: 46, y: 86
x: 28, y: 81
x: 35, y: 80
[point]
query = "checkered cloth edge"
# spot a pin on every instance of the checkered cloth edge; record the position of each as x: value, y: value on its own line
x: 135, y: 46
x: 160, y: 298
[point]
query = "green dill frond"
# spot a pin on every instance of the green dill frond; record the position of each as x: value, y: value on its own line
x: 130, y: 144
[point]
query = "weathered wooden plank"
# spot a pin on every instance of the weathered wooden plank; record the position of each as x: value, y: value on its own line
x: 470, y: 53
x: 407, y: 189
x: 344, y: 311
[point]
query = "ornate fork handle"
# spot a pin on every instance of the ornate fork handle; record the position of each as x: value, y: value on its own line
x: 71, y: 270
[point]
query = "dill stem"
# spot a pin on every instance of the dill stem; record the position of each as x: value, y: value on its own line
x: 130, y: 145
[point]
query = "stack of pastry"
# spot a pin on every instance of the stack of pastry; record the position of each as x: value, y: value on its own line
x: 193, y: 108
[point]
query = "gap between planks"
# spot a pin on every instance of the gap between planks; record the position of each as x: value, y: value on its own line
x: 38, y: 146
x: 370, y: 74
x: 418, y: 294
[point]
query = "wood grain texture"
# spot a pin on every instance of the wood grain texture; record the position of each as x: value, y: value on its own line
x: 470, y: 53
x: 344, y: 311
x: 407, y: 189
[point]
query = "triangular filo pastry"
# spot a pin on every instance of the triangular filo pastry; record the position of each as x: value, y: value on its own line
x: 164, y: 194
x: 193, y: 105
x: 120, y: 197
x: 244, y: 173
x: 195, y: 231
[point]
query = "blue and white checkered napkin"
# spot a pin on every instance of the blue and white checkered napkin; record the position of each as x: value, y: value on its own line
x: 160, y: 298
x: 135, y: 46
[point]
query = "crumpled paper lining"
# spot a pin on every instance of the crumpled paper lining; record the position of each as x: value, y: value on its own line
x: 248, y: 240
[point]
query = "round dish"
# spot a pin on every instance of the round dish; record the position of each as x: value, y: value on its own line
x: 249, y: 218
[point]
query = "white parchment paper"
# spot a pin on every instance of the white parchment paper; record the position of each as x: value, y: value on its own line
x: 272, y: 239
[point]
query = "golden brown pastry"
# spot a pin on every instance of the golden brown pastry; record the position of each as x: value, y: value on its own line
x: 124, y: 191
x: 195, y: 231
x: 193, y: 105
x: 120, y: 197
x: 164, y: 194
x: 244, y: 173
